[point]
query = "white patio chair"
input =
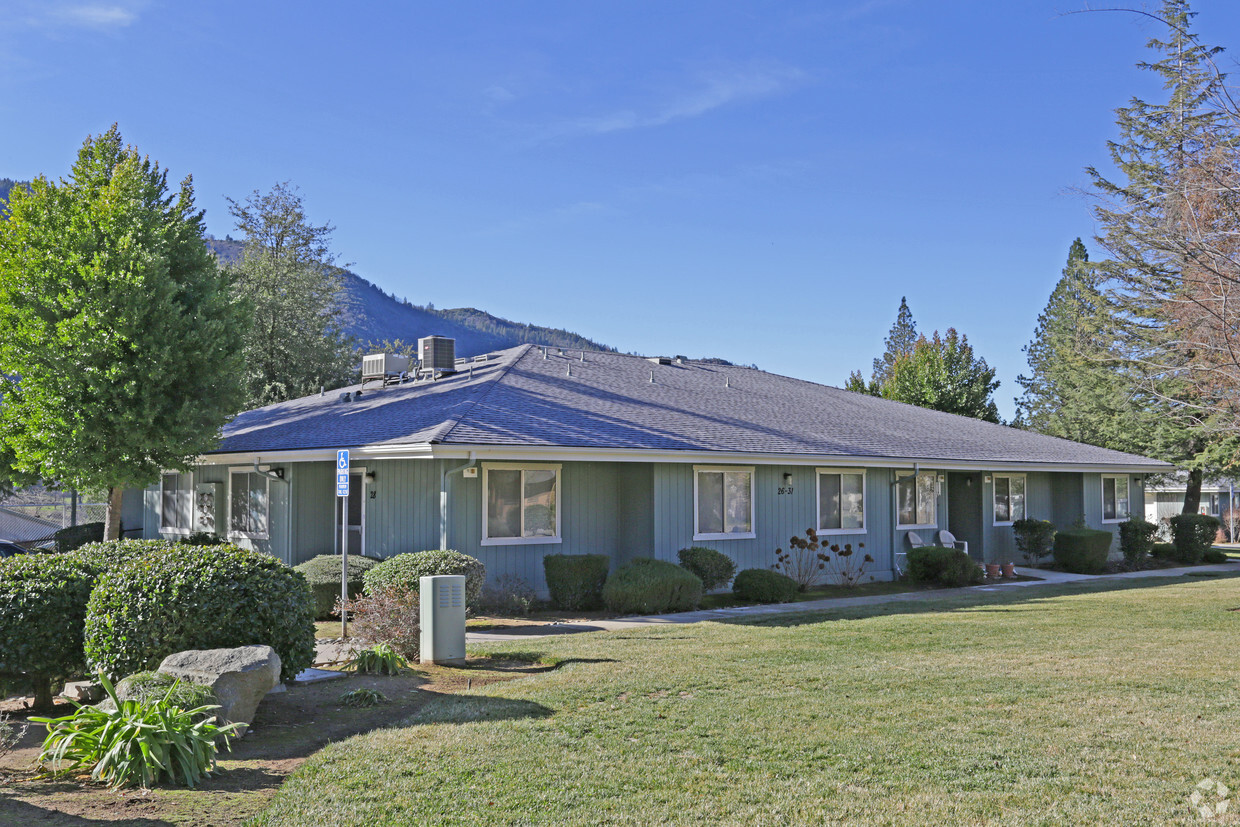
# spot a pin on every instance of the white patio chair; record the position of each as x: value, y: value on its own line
x: 948, y: 540
x: 914, y: 541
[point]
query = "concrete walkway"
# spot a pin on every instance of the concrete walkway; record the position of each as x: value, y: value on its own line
x: 1048, y: 578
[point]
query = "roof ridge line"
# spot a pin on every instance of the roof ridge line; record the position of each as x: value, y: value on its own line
x: 450, y: 424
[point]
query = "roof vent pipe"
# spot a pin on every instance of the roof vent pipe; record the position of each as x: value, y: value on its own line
x: 652, y: 377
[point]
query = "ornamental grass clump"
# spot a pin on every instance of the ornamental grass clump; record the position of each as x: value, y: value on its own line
x: 380, y: 659
x: 136, y: 743
x: 362, y: 698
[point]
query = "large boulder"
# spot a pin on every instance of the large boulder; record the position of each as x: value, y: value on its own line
x: 239, y: 677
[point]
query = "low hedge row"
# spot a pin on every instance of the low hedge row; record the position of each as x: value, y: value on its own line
x: 764, y: 586
x: 1193, y: 535
x: 647, y: 586
x: 713, y: 568
x: 1083, y: 550
x: 575, y: 581
x: 323, y: 575
x: 949, y: 567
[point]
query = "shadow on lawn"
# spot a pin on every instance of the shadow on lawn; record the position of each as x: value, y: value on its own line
x: 13, y: 811
x: 949, y: 600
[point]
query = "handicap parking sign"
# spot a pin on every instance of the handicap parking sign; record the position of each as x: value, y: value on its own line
x: 342, y: 473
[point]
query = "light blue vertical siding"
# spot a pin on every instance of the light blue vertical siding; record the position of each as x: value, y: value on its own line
x: 1000, y: 545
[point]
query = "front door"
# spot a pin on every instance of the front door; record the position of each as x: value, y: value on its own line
x: 964, y: 510
x: 356, y: 526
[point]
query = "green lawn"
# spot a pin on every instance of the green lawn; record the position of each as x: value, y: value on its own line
x: 1102, y: 703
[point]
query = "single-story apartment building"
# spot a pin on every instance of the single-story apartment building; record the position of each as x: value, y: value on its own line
x: 534, y: 450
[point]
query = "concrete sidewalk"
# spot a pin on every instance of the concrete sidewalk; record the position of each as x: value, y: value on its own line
x: 1048, y: 578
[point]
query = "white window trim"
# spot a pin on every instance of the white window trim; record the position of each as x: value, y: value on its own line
x: 246, y: 535
x: 1102, y: 502
x: 185, y: 532
x: 994, y: 494
x: 818, y: 472
x: 914, y: 526
x: 487, y: 467
x: 753, y: 502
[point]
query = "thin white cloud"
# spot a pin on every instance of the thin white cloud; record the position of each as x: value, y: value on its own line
x: 710, y: 90
x: 53, y: 16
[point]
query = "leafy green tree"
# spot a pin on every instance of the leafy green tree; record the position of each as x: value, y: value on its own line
x: 288, y: 277
x: 943, y: 373
x: 121, y: 348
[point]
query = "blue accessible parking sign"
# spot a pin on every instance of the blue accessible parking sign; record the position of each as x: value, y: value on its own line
x: 342, y: 473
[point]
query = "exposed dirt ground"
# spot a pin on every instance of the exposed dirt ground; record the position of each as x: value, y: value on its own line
x: 287, y: 728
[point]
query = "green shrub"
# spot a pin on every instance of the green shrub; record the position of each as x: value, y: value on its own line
x: 1136, y: 539
x: 134, y: 743
x: 1034, y: 538
x: 149, y: 687
x: 323, y: 575
x: 1214, y: 556
x: 1162, y: 551
x: 1192, y: 535
x: 713, y: 568
x: 575, y: 581
x: 949, y: 567
x: 76, y: 536
x: 508, y: 595
x: 764, y: 586
x: 203, y: 538
x: 1083, y: 550
x: 405, y: 571
x: 43, y: 601
x: 199, y: 597
x: 647, y: 586
x: 392, y: 617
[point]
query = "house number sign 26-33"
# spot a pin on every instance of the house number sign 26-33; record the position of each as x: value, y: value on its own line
x: 785, y: 489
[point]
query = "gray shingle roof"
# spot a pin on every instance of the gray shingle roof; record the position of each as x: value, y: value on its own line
x: 521, y: 398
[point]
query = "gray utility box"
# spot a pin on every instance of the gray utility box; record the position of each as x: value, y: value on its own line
x: 443, y: 619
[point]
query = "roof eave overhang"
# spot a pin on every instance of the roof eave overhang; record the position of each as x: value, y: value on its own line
x: 586, y: 454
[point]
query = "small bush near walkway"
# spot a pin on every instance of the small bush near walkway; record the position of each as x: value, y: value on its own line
x: 405, y: 571
x: 1083, y: 550
x: 390, y: 617
x: 323, y: 575
x: 647, y: 586
x: 1193, y: 535
x: 1136, y: 540
x: 764, y: 586
x: 1034, y: 539
x: 714, y: 568
x: 575, y: 581
x: 949, y: 567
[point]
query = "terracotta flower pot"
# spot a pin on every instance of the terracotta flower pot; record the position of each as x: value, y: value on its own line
x: 992, y: 570
x: 1009, y: 569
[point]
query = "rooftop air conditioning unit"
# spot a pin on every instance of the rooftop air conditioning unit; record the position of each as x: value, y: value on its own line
x: 384, y: 367
x: 438, y: 354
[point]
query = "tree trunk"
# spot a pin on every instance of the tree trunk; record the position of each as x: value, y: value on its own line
x: 1192, y: 492
x: 43, y: 697
x: 112, y: 519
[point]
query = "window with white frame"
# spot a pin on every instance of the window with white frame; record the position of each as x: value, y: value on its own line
x: 249, y: 505
x: 723, y: 503
x: 521, y: 504
x: 917, y: 497
x: 1009, y: 498
x: 841, y: 501
x: 1114, y: 499
x: 176, y: 502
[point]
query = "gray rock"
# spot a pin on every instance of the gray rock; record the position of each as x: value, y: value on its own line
x: 85, y: 692
x: 239, y: 677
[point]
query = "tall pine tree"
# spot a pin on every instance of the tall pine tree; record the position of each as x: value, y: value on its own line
x: 899, y: 342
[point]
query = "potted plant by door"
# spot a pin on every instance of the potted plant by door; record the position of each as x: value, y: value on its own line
x: 1009, y: 569
x: 992, y: 571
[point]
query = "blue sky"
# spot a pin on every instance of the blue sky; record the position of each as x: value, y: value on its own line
x: 756, y: 181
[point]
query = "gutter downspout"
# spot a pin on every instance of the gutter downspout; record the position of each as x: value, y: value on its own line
x: 443, y: 497
x: 896, y: 547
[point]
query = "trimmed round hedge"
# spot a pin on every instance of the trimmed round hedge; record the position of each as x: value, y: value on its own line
x: 43, y: 600
x: 714, y: 568
x: 323, y: 575
x: 405, y: 571
x: 764, y: 586
x: 648, y: 586
x: 575, y: 581
x: 199, y: 597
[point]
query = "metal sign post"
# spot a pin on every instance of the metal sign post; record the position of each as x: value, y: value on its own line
x: 342, y: 493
